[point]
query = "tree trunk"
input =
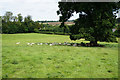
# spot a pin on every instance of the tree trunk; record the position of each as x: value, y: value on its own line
x: 64, y: 30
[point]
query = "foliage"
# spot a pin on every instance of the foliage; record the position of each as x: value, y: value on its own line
x: 118, y: 20
x: 117, y: 32
x: 54, y: 29
x: 15, y: 24
x: 95, y: 22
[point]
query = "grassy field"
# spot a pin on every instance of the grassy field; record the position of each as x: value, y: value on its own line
x: 44, y: 61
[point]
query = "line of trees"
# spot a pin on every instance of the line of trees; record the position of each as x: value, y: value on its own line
x: 54, y: 21
x: 17, y: 24
x: 49, y: 29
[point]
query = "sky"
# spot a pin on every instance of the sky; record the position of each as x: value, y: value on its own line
x: 38, y: 9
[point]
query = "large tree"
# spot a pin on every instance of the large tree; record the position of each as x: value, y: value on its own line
x: 95, y: 22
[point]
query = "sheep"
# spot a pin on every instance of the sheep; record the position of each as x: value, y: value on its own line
x: 68, y: 44
x: 51, y: 44
x: 46, y: 43
x: 41, y: 43
x: 18, y: 43
x: 32, y: 43
x: 75, y: 44
x: 65, y: 43
x: 54, y: 44
x: 60, y: 43
x: 28, y: 43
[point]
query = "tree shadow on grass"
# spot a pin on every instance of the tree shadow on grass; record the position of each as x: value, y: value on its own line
x: 78, y: 44
x: 74, y: 44
x: 82, y: 45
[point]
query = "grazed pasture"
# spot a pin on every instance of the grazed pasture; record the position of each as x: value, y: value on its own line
x: 44, y: 61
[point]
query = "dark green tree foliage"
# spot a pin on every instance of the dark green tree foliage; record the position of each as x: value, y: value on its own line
x: 29, y: 23
x: 8, y: 16
x: 15, y: 24
x: 7, y: 25
x: 50, y: 29
x: 118, y: 20
x: 117, y: 31
x: 95, y: 22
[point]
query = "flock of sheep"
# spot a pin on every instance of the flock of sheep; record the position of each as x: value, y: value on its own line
x: 64, y: 44
x: 51, y: 44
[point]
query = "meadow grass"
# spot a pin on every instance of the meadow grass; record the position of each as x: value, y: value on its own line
x: 44, y: 61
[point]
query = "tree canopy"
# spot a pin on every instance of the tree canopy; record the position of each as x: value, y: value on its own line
x: 95, y: 22
x: 17, y: 24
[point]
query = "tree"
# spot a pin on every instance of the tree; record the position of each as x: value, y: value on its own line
x: 20, y: 18
x: 29, y: 23
x: 7, y: 26
x: 95, y: 22
x: 15, y: 24
x: 8, y: 16
x: 117, y: 29
x: 15, y: 19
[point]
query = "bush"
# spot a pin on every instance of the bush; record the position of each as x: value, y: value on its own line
x: 36, y: 30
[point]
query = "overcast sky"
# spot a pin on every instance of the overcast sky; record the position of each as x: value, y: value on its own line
x: 38, y: 9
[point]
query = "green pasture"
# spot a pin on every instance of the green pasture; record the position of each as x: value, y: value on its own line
x: 44, y: 61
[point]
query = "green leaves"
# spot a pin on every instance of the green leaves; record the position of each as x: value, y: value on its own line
x: 15, y: 24
x: 96, y: 17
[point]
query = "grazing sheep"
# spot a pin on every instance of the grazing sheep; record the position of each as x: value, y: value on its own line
x: 28, y: 43
x: 68, y: 44
x: 51, y: 44
x: 46, y: 43
x: 65, y: 43
x: 18, y: 43
x: 75, y: 44
x: 60, y: 43
x: 41, y: 43
x: 32, y: 43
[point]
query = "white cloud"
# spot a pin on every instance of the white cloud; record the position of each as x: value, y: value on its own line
x: 38, y: 9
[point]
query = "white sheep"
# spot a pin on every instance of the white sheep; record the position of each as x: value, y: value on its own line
x: 28, y: 43
x: 46, y: 43
x: 51, y: 44
x: 32, y: 43
x: 60, y: 43
x: 41, y: 43
x: 18, y: 43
